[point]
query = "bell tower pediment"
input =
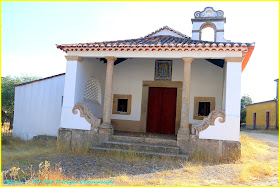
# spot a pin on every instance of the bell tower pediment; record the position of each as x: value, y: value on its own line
x: 209, y: 18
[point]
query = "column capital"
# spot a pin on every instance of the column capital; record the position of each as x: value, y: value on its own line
x: 74, y: 58
x: 187, y: 59
x: 234, y: 59
x: 111, y: 59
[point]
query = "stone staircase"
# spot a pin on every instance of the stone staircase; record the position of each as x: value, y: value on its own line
x: 141, y: 146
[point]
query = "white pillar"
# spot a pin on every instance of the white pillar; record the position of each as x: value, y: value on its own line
x: 232, y: 98
x: 233, y: 86
x: 106, y: 124
x: 69, y: 90
x: 184, y: 131
x: 230, y: 129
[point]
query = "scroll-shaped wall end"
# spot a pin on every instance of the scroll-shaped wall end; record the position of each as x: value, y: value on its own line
x: 84, y: 112
x: 210, y: 120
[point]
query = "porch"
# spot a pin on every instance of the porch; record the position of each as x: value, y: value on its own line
x: 195, y: 81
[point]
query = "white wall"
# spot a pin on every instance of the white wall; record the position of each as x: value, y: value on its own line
x: 86, y: 69
x: 128, y: 77
x: 37, y: 108
x: 206, y: 81
x: 82, y: 71
x: 230, y: 129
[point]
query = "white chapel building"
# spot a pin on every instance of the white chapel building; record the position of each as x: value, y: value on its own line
x: 164, y: 83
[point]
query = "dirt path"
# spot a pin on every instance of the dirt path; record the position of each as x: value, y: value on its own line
x: 271, y: 139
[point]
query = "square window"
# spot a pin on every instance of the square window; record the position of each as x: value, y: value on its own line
x: 122, y: 105
x: 203, y: 108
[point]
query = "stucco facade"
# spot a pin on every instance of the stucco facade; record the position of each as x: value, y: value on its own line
x: 165, y: 80
x: 37, y: 108
x: 265, y: 114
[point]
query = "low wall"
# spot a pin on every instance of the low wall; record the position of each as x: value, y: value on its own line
x: 76, y: 137
x: 216, y: 149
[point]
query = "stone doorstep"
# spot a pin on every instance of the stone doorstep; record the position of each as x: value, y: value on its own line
x: 144, y: 153
x: 143, y: 140
x: 141, y: 147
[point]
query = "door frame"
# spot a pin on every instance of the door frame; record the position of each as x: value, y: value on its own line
x: 145, y: 98
x: 267, y: 126
x: 254, y: 120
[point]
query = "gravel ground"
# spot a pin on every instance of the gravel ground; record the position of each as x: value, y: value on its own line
x: 82, y: 166
x: 95, y: 166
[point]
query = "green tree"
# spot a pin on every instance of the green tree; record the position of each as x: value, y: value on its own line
x: 8, y: 94
x: 245, y: 100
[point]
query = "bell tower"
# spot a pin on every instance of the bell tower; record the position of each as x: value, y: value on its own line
x: 209, y: 18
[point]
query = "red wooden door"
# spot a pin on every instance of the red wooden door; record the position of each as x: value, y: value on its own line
x: 161, y: 110
x: 267, y: 119
x: 254, y: 120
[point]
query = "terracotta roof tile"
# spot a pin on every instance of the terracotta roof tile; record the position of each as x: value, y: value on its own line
x: 160, y: 40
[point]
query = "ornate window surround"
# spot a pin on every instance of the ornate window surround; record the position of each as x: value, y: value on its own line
x: 115, y: 101
x: 202, y: 99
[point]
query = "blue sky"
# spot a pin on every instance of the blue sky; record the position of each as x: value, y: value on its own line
x: 30, y: 30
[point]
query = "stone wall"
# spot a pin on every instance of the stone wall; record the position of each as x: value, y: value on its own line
x: 71, y: 138
x: 217, y: 149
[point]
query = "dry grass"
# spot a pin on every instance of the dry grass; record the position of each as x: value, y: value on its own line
x: 79, y: 148
x: 256, y: 164
x: 5, y: 130
x: 192, y: 168
x: 253, y: 160
x: 15, y: 149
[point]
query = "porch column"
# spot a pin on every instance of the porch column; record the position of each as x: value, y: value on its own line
x: 106, y: 124
x: 184, y: 131
x: 69, y: 90
x: 232, y: 96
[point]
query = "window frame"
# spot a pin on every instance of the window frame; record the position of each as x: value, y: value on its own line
x: 196, y: 106
x: 115, y: 104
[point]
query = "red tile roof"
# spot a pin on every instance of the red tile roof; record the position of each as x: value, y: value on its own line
x: 157, y: 42
x: 162, y: 43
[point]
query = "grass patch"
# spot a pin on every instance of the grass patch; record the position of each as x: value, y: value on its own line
x: 78, y: 148
x: 253, y: 159
x: 252, y: 149
x: 15, y: 149
x: 255, y: 170
x: 192, y: 168
x: 255, y: 164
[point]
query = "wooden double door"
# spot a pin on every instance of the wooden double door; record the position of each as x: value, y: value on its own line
x: 161, y: 115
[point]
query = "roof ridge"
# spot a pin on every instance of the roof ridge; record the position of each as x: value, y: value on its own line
x: 170, y: 29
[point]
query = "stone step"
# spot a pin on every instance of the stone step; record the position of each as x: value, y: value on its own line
x: 143, y: 140
x: 140, y: 153
x: 154, y: 148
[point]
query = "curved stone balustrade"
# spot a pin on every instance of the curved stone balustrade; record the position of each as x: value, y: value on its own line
x: 210, y: 120
x: 84, y: 112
